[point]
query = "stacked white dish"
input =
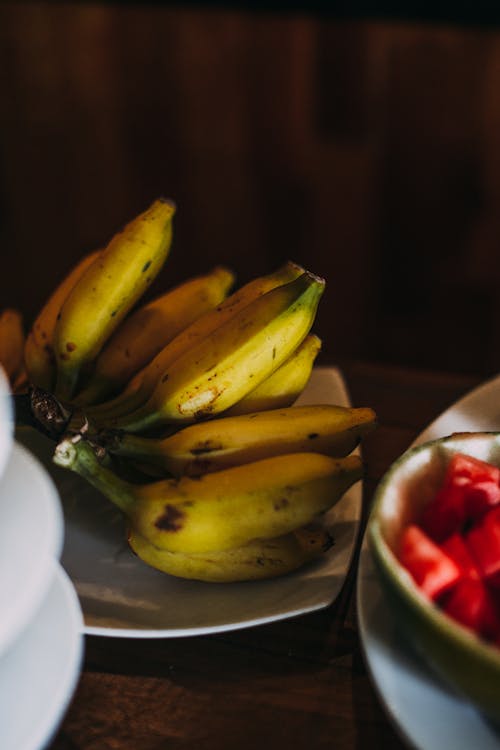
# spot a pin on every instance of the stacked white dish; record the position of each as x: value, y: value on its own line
x: 41, y: 641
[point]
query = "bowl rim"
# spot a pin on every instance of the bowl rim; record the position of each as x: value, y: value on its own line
x: 401, y: 578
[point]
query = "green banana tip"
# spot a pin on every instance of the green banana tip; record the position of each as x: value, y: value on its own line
x: 315, y: 279
x: 302, y: 271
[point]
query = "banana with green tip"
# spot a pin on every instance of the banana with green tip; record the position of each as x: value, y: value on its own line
x: 283, y: 387
x: 255, y: 561
x: 230, y: 441
x: 235, y: 358
x: 107, y: 290
x: 149, y: 329
x: 39, y: 357
x: 143, y: 384
x: 226, y: 509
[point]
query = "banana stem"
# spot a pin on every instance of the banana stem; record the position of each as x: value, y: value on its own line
x: 80, y: 458
x: 132, y: 446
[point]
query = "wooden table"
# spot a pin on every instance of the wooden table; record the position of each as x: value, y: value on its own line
x: 299, y: 684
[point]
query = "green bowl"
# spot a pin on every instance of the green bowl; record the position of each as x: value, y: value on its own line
x: 467, y: 663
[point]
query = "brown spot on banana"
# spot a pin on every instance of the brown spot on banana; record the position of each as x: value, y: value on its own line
x: 207, y: 446
x: 170, y: 520
x: 281, y: 503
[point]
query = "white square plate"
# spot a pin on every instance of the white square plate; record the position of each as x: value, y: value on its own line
x: 122, y: 596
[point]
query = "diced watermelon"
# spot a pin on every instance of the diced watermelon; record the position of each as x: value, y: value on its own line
x: 470, y: 487
x: 479, y: 497
x: 470, y: 603
x: 453, y: 554
x: 445, y: 514
x: 456, y: 548
x: 483, y: 541
x: 472, y: 469
x: 433, y: 570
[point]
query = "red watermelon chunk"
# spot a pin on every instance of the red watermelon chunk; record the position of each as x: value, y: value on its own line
x: 483, y: 541
x: 453, y: 552
x: 432, y: 569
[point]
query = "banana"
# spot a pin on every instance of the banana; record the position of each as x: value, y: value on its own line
x: 149, y: 329
x: 225, y: 509
x: 11, y: 343
x: 143, y: 384
x: 256, y: 560
x: 230, y: 441
x: 107, y: 290
x: 232, y: 360
x: 39, y: 355
x: 283, y: 387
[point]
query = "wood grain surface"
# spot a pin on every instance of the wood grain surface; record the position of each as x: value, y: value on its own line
x: 369, y: 151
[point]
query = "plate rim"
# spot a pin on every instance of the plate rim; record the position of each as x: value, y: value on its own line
x: 31, y: 597
x: 57, y: 702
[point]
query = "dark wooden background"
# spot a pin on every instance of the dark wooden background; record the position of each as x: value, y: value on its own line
x: 367, y: 150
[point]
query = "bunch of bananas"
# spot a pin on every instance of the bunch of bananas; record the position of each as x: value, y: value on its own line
x: 180, y: 411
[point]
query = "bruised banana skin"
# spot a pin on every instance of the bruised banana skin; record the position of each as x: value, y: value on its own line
x: 150, y: 328
x: 143, y: 384
x: 107, y: 290
x: 11, y: 343
x: 231, y: 441
x: 39, y: 357
x: 258, y: 560
x: 226, y: 509
x: 235, y: 358
x: 283, y: 387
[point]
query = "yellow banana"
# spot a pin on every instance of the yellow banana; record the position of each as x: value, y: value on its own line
x: 11, y: 343
x: 230, y: 441
x: 257, y: 560
x: 226, y: 509
x: 39, y: 355
x: 149, y: 329
x: 143, y: 384
x: 107, y: 290
x: 283, y: 387
x: 236, y: 357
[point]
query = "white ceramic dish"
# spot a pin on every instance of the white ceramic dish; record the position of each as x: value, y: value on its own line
x: 31, y: 537
x: 6, y: 420
x: 425, y: 711
x: 121, y: 596
x: 39, y: 673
